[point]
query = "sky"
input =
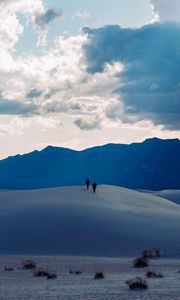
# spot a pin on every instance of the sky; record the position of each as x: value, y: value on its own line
x: 82, y: 73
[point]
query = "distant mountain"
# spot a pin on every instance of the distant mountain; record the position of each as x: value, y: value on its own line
x: 153, y: 164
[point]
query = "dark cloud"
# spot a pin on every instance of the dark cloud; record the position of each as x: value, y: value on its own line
x: 49, y: 16
x: 88, y: 124
x: 150, y: 81
x: 34, y: 93
x: 14, y: 107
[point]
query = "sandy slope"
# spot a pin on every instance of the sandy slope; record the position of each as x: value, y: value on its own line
x: 115, y: 221
x: 172, y: 195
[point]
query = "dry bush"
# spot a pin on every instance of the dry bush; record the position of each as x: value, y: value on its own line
x: 137, y: 283
x: 99, y: 275
x: 152, y: 274
x: 41, y: 272
x: 51, y: 276
x: 29, y: 264
x: 8, y: 269
x: 45, y: 273
x: 75, y: 272
x: 153, y: 253
x: 141, y: 262
x: 147, y: 253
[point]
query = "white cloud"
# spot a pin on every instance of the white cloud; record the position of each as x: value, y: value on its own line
x: 10, y: 27
x: 82, y: 14
x: 56, y: 83
x: 11, y: 127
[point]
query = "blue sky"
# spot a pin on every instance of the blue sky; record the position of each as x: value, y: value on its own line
x: 125, y: 13
x: 117, y: 80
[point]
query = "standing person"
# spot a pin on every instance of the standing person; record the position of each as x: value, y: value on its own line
x: 87, y: 183
x: 94, y: 187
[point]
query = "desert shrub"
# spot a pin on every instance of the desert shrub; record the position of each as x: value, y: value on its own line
x: 152, y: 253
x: 8, y: 269
x: 141, y: 262
x: 99, y: 275
x: 152, y: 274
x: 29, y: 264
x: 51, y: 276
x: 78, y: 272
x: 41, y: 272
x: 147, y: 253
x: 75, y: 272
x: 45, y: 273
x: 137, y: 283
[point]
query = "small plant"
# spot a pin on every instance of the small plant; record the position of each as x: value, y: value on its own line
x: 41, y: 272
x: 78, y: 272
x: 51, y: 276
x: 153, y: 253
x: 45, y: 273
x: 8, y: 269
x: 29, y: 264
x: 147, y: 253
x: 137, y: 283
x: 141, y: 262
x: 152, y: 274
x: 75, y: 272
x: 99, y: 275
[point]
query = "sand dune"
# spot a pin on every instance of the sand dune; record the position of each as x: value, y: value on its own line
x: 172, y: 195
x: 73, y: 221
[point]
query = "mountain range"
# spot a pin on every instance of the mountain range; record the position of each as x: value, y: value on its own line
x: 153, y: 164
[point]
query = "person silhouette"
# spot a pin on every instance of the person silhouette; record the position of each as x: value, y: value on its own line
x: 94, y: 187
x: 87, y: 183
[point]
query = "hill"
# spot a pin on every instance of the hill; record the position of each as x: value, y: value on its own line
x: 153, y: 164
x: 73, y: 221
x: 172, y: 195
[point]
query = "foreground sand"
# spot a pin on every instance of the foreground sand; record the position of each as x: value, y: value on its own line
x: 21, y: 284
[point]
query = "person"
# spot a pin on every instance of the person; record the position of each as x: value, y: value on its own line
x: 94, y: 187
x: 87, y: 183
x: 157, y: 252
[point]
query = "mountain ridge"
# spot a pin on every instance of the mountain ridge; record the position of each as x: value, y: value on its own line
x: 153, y: 164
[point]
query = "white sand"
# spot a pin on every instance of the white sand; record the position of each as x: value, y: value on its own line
x: 73, y: 221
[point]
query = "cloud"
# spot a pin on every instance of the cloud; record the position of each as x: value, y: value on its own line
x: 41, y: 21
x: 90, y: 124
x: 82, y: 14
x: 14, y: 107
x: 56, y: 84
x: 11, y: 28
x: 166, y: 10
x: 149, y: 81
x: 34, y: 93
x: 14, y: 127
x: 48, y: 16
